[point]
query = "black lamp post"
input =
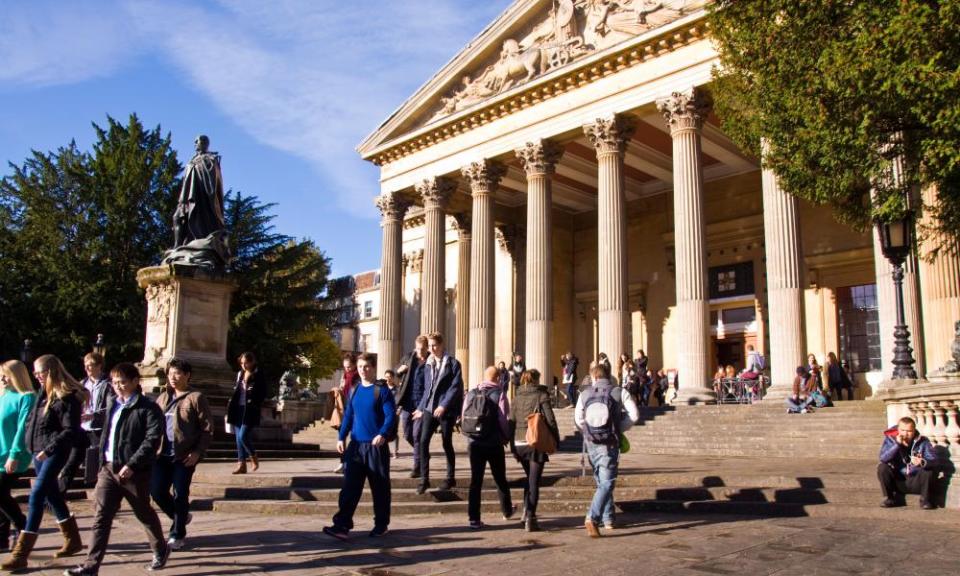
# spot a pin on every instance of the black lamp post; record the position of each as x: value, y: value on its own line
x: 26, y: 353
x: 100, y: 347
x: 896, y: 242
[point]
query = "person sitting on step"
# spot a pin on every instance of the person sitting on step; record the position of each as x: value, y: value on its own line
x: 908, y: 465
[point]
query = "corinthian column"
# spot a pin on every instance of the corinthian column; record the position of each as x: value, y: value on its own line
x: 392, y: 208
x: 539, y: 159
x: 940, y: 293
x: 781, y: 231
x: 484, y: 177
x: 609, y: 136
x: 684, y: 113
x: 435, y: 193
x: 464, y: 242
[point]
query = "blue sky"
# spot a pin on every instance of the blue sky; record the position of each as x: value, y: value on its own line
x: 285, y: 89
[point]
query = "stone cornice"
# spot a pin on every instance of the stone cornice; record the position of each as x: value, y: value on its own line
x: 644, y: 48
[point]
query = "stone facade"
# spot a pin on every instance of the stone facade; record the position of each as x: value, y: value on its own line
x: 609, y: 212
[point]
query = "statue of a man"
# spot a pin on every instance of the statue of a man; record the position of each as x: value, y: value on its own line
x: 199, y: 234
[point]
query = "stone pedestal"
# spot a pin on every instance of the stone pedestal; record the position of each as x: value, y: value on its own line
x: 188, y: 316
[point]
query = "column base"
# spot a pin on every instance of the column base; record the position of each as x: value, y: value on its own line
x: 692, y: 396
x: 777, y: 393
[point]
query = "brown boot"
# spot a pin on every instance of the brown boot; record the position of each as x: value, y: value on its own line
x: 71, y: 538
x: 241, y: 467
x: 18, y: 558
x: 255, y: 463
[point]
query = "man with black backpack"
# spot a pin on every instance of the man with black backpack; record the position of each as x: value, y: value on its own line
x: 604, y: 411
x: 370, y: 419
x: 484, y: 423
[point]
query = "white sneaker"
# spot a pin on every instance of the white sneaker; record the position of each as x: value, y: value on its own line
x: 338, y: 469
x: 176, y: 544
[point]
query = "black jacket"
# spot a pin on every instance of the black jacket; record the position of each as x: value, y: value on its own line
x: 248, y: 415
x: 139, y: 432
x: 403, y: 389
x: 55, y: 428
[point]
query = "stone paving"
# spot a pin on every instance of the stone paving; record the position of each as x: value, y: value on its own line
x: 645, y: 544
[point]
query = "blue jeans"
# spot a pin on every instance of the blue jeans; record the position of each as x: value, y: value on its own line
x: 796, y: 405
x: 604, y: 460
x: 46, y: 490
x: 245, y: 442
x: 169, y: 473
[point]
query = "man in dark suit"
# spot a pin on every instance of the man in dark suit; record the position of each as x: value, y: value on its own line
x: 439, y: 407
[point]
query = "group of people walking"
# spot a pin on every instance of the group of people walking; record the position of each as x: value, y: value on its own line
x: 143, y: 450
x: 430, y: 397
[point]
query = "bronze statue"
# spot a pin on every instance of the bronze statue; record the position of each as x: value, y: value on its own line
x: 199, y: 233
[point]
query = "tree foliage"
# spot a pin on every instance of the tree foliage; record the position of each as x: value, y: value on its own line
x: 76, y: 228
x: 838, y: 89
x: 278, y: 311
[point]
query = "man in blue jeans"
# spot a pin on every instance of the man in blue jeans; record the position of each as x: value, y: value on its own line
x: 604, y: 411
x: 188, y: 431
x: 368, y: 419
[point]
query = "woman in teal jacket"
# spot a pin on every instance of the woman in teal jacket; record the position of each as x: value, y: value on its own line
x: 16, y: 400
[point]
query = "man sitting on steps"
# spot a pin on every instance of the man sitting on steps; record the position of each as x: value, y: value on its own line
x: 908, y: 465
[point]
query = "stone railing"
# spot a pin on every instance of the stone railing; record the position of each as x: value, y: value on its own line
x: 935, y: 405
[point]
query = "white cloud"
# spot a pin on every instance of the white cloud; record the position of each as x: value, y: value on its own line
x: 46, y: 43
x: 306, y: 77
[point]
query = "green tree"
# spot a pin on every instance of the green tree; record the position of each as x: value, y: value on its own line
x: 76, y: 228
x: 277, y: 311
x: 838, y: 88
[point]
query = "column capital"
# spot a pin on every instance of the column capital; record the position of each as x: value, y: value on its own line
x: 510, y: 237
x: 610, y: 135
x: 414, y: 261
x: 435, y: 191
x: 684, y: 110
x: 463, y: 221
x: 539, y: 157
x: 392, y: 205
x: 483, y: 175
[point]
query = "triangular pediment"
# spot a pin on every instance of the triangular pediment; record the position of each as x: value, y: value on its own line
x: 530, y: 39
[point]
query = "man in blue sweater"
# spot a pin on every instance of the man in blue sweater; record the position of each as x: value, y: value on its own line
x: 368, y: 419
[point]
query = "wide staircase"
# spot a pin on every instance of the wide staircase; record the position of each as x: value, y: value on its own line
x: 741, y: 460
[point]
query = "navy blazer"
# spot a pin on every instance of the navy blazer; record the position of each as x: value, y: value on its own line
x: 446, y: 391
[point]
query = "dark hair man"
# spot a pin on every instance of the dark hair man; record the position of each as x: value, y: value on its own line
x: 412, y: 374
x: 188, y: 433
x: 439, y: 407
x: 368, y: 418
x: 97, y: 384
x: 908, y: 465
x: 131, y: 435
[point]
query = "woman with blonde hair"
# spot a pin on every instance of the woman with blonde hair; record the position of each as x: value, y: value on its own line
x: 51, y: 430
x: 531, y: 397
x: 16, y: 400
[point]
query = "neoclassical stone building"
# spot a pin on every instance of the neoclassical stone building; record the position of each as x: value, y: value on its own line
x: 563, y: 185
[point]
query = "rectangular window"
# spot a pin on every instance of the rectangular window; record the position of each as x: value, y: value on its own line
x: 731, y: 280
x: 859, y: 321
x: 368, y: 309
x: 743, y: 315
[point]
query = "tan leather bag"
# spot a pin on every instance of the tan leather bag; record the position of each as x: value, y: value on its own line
x: 539, y: 434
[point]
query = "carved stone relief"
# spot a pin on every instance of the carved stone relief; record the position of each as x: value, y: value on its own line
x: 570, y: 30
x: 159, y: 306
